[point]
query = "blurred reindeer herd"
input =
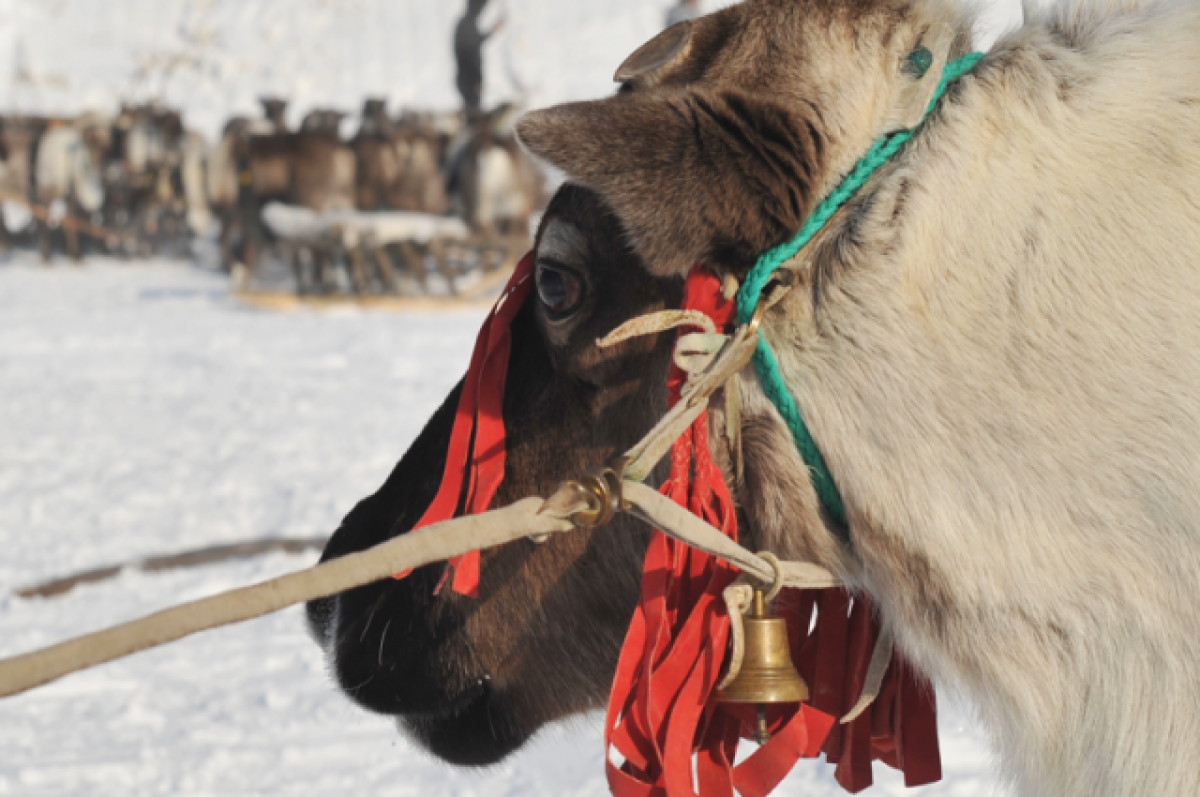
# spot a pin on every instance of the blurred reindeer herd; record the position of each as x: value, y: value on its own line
x: 416, y: 203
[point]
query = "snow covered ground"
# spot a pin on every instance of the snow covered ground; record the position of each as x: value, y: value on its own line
x: 143, y: 411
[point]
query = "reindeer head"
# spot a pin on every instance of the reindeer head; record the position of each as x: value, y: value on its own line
x: 472, y: 678
x: 727, y: 131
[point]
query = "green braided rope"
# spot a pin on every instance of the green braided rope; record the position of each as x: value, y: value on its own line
x: 751, y: 293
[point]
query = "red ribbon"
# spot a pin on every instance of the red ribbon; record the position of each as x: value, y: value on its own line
x: 475, y: 458
x: 661, y: 717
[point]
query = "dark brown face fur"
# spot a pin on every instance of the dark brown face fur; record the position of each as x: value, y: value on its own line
x: 726, y: 134
x: 473, y: 679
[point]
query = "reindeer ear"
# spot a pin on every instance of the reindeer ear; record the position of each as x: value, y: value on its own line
x: 654, y: 58
x: 694, y: 175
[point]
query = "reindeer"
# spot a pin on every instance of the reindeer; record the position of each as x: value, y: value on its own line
x: 493, y: 185
x: 399, y: 165
x: 229, y: 182
x: 68, y: 190
x: 311, y: 168
x: 146, y: 174
x: 399, y: 169
x: 993, y: 345
x: 18, y: 141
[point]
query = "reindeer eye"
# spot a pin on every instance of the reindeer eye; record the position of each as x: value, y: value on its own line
x: 560, y: 289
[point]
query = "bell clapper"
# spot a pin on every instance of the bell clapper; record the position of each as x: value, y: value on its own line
x: 762, y: 733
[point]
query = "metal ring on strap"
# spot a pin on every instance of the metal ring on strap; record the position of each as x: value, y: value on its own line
x: 602, y: 491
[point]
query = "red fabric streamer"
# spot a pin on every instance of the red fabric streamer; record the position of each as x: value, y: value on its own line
x: 662, y: 718
x: 661, y: 714
x: 900, y: 727
x: 475, y: 458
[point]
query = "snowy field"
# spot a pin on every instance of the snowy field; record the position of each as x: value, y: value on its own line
x: 143, y: 411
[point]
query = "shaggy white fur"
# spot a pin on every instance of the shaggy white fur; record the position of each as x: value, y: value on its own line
x: 997, y: 347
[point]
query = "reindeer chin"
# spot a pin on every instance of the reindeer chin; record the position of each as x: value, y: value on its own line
x: 455, y: 712
x: 480, y: 733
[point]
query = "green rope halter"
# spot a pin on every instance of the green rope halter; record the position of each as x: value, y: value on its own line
x: 751, y: 292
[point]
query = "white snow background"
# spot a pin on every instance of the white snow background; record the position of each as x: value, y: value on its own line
x: 143, y: 411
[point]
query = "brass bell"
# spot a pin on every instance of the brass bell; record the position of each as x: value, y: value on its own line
x: 767, y: 675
